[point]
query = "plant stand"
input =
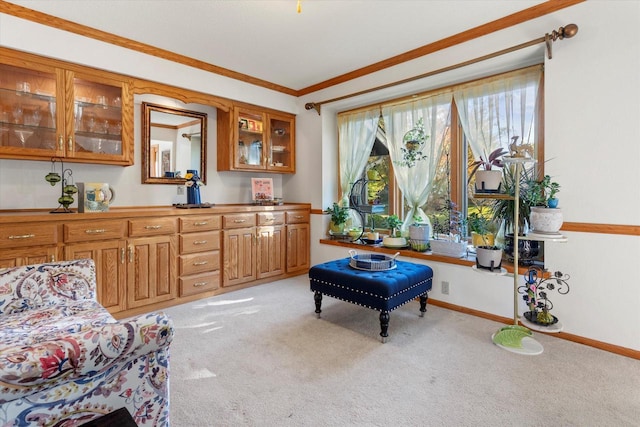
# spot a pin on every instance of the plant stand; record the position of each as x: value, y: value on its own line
x: 513, y: 338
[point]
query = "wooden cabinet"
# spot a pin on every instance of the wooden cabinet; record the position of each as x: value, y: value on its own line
x: 151, y: 258
x: 251, y: 139
x: 199, y: 254
x: 270, y: 245
x: 298, y: 244
x: 52, y: 109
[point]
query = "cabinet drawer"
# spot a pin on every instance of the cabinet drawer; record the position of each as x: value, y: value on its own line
x: 199, y: 263
x: 238, y: 220
x: 199, y: 283
x: 190, y: 224
x: 95, y: 230
x: 296, y: 217
x: 270, y: 218
x: 199, y: 242
x: 28, y: 235
x: 151, y: 226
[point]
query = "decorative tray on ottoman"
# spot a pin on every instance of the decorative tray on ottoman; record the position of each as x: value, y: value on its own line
x: 372, y: 262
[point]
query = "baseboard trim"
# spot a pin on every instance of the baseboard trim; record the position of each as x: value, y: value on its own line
x: 622, y: 351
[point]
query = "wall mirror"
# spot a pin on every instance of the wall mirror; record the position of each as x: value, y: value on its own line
x: 173, y: 141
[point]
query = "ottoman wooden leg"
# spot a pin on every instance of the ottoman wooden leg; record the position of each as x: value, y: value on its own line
x: 318, y: 299
x: 423, y: 304
x: 384, y: 325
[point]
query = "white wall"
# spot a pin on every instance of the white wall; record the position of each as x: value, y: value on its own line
x: 592, y: 129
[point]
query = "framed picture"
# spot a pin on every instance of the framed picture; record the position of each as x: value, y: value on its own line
x: 261, y: 189
x: 243, y: 124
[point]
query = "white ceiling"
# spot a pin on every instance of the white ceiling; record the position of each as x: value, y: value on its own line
x: 268, y: 40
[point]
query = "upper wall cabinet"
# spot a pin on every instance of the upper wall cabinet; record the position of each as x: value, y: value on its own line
x: 256, y: 140
x: 78, y: 114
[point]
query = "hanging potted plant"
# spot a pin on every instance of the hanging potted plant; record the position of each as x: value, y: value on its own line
x: 488, y: 179
x: 413, y: 141
x: 545, y: 216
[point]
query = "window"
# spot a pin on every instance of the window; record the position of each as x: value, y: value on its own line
x: 462, y: 123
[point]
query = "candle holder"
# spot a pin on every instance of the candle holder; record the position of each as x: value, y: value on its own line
x: 68, y: 188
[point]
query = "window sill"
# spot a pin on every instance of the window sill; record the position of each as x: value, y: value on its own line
x: 468, y: 261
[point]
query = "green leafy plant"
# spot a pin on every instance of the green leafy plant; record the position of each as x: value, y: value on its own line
x: 542, y: 191
x: 413, y: 141
x: 339, y: 214
x: 394, y: 223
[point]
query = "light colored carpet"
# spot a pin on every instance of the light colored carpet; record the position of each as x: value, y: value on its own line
x: 260, y: 357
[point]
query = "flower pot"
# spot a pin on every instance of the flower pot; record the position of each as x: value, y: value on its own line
x: 545, y: 220
x: 419, y: 232
x: 448, y: 248
x: 482, y: 239
x: 488, y: 181
x: 337, y: 228
x: 489, y: 257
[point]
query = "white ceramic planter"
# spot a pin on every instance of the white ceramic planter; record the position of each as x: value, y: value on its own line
x: 488, y: 257
x: 419, y: 232
x: 545, y: 220
x: 448, y: 248
x: 488, y: 181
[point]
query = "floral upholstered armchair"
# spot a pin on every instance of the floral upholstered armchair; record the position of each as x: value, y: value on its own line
x: 64, y: 360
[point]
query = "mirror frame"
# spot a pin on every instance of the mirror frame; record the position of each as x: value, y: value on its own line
x: 147, y: 108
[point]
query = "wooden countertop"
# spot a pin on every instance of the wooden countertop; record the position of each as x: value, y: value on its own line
x: 37, y: 215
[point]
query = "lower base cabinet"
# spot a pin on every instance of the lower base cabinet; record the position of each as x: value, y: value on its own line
x: 151, y: 258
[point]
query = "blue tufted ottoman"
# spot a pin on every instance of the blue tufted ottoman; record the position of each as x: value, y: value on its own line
x: 379, y: 290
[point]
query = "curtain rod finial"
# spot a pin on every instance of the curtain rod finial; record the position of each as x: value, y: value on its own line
x: 561, y: 33
x: 312, y: 106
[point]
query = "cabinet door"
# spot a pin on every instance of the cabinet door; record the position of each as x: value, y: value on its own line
x: 239, y: 256
x: 109, y: 257
x: 271, y: 247
x: 298, y: 247
x: 99, y: 120
x: 249, y: 148
x: 29, y: 123
x: 151, y: 270
x: 26, y: 256
x: 281, y: 144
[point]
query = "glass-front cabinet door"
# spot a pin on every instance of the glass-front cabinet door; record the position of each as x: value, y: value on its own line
x: 249, y: 151
x: 28, y: 111
x: 47, y: 110
x: 97, y: 120
x: 281, y: 147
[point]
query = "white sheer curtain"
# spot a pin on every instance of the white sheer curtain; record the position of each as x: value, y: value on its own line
x: 415, y: 182
x: 495, y: 110
x: 356, y: 135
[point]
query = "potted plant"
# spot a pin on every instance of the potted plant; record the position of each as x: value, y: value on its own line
x: 413, y: 141
x: 394, y: 239
x: 488, y: 180
x: 448, y: 231
x: 545, y: 217
x: 419, y: 234
x: 339, y: 217
x: 482, y: 229
x: 503, y: 212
